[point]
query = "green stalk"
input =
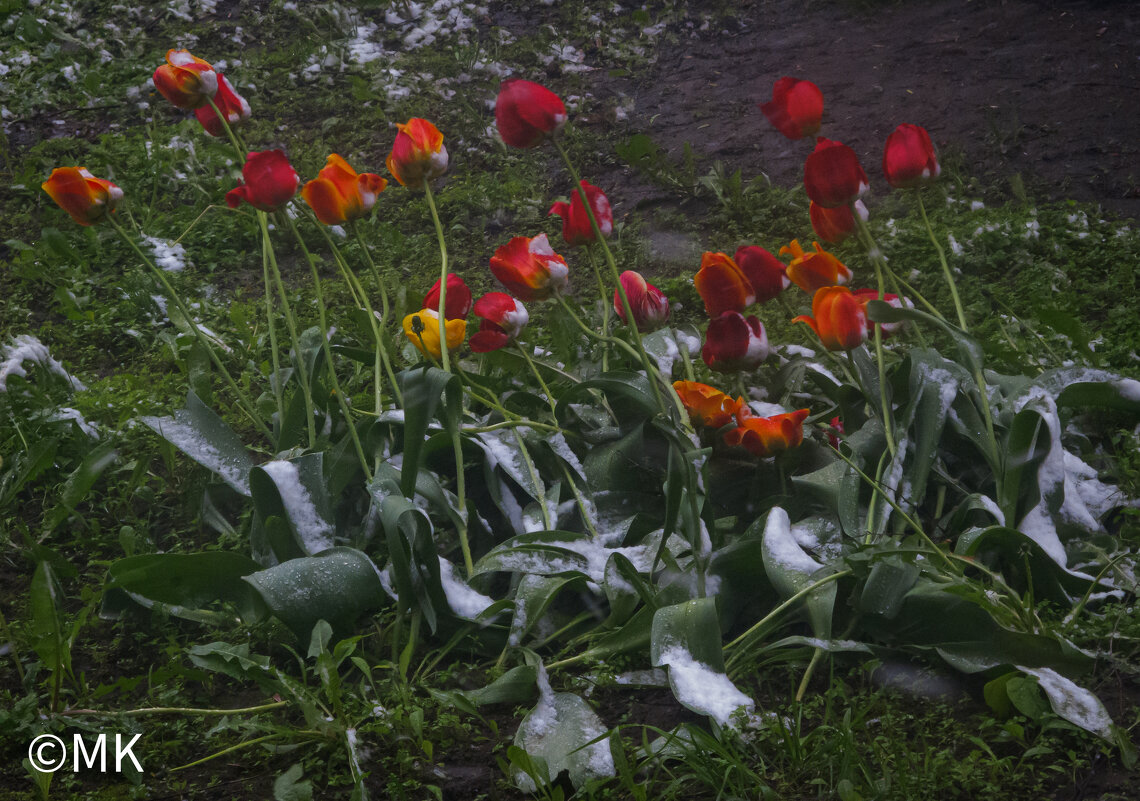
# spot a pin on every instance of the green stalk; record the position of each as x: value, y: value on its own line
x: 942, y: 260
x: 605, y: 306
x: 229, y: 131
x: 278, y: 393
x: 373, y: 268
x: 461, y: 495
x: 442, y: 277
x: 534, y: 369
x: 176, y: 710
x: 291, y: 324
x: 876, y: 257
x: 239, y: 395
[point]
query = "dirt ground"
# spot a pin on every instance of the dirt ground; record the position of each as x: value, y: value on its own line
x: 1046, y: 90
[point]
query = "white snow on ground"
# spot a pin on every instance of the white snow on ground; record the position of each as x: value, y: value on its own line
x: 67, y: 413
x: 27, y: 348
x: 170, y: 256
x: 314, y: 531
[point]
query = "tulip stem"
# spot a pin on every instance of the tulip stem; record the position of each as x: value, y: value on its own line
x: 650, y: 368
x: 877, y: 259
x: 605, y: 306
x: 275, y: 352
x: 942, y: 260
x: 534, y: 369
x: 229, y: 131
x: 239, y: 395
x: 352, y: 226
x: 443, y: 349
x: 291, y: 324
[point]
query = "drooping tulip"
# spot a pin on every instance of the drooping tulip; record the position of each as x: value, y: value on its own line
x: 767, y: 274
x: 185, y: 80
x: 526, y: 113
x: 835, y: 225
x: 339, y: 194
x: 576, y: 228
x: 458, y: 298
x: 418, y: 154
x: 722, y: 285
x: 889, y: 329
x: 908, y: 158
x: 734, y: 342
x: 767, y: 436
x: 814, y: 269
x: 796, y: 108
x: 269, y: 182
x: 707, y: 406
x: 530, y: 269
x: 503, y: 319
x: 422, y: 329
x: 832, y: 174
x: 86, y: 198
x: 649, y: 305
x: 233, y: 106
x: 838, y: 317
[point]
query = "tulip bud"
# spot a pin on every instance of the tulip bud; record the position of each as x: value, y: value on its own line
x: 908, y: 159
x: 707, y: 406
x: 503, y: 319
x: 270, y: 182
x: 812, y: 270
x: 832, y: 174
x: 576, y: 228
x: 418, y: 154
x: 232, y: 106
x: 530, y: 269
x: 767, y: 436
x: 735, y: 342
x: 767, y: 274
x: 458, y: 298
x: 795, y: 109
x: 649, y: 306
x: 527, y: 112
x: 339, y: 195
x: 722, y: 285
x: 835, y: 225
x: 86, y: 198
x: 185, y: 80
x: 422, y: 329
x: 838, y: 317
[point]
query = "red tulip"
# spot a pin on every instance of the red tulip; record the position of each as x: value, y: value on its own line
x: 722, y: 285
x: 889, y: 329
x: 735, y: 342
x: 232, y: 105
x: 418, y: 154
x: 835, y: 225
x: 339, y: 195
x: 767, y: 436
x: 185, y: 80
x: 527, y: 112
x: 649, y: 306
x: 834, y: 432
x: 530, y: 269
x: 766, y: 273
x: 576, y: 228
x: 838, y: 317
x: 813, y: 270
x: 86, y: 198
x: 270, y: 182
x: 795, y: 109
x: 908, y: 159
x: 458, y: 298
x: 503, y: 317
x: 707, y: 406
x: 832, y: 174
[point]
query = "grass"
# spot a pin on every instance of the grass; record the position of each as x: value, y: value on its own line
x: 1062, y: 277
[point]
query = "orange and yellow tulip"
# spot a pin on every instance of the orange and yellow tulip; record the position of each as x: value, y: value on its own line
x: 813, y: 270
x: 767, y: 436
x: 86, y: 198
x: 418, y: 154
x: 722, y: 285
x: 838, y: 317
x: 339, y: 194
x: 707, y: 406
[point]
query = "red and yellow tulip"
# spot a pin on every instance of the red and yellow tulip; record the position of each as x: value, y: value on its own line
x: 186, y: 80
x: 812, y: 270
x: 86, y: 198
x: 707, y: 406
x: 418, y: 154
x: 722, y: 285
x: 339, y: 194
x: 767, y: 436
x: 530, y: 269
x: 838, y: 317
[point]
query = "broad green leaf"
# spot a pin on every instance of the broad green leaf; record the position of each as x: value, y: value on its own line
x: 25, y: 467
x: 289, y: 786
x: 413, y: 561
x: 561, y: 731
x: 629, y: 395
x: 235, y: 661
x: 204, y: 437
x: 969, y: 351
x: 79, y: 483
x: 1012, y: 552
x: 192, y: 580
x: 422, y: 388
x: 533, y: 598
x: 886, y: 586
x: 516, y: 686
x: 1072, y: 702
x: 295, y: 491
x: 338, y: 585
x: 1086, y: 386
x: 791, y: 569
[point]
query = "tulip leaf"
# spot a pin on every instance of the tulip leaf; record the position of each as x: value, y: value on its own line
x: 204, y: 437
x: 533, y: 598
x: 969, y: 350
x: 414, y: 563
x: 422, y: 388
x: 188, y: 581
x: 1021, y: 559
x: 562, y: 733
x: 629, y: 395
x: 295, y: 492
x: 791, y: 569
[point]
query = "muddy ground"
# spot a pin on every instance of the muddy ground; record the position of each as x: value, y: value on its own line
x: 1049, y: 91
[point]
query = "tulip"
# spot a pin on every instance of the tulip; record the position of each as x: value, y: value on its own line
x: 813, y: 270
x: 86, y: 198
x: 422, y: 328
x: 722, y: 285
x: 766, y: 273
x: 795, y: 109
x: 838, y: 317
x: 735, y: 342
x: 530, y: 269
x: 458, y: 298
x: 418, y: 154
x: 527, y: 112
x: 339, y: 195
x: 835, y: 225
x: 832, y: 174
x: 503, y: 318
x: 576, y: 228
x: 270, y: 182
x: 908, y: 159
x: 232, y: 105
x: 834, y: 432
x: 185, y: 80
x: 707, y: 406
x: 889, y: 329
x: 649, y: 306
x: 767, y: 436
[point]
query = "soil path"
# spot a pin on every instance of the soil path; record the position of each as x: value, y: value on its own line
x: 1046, y: 90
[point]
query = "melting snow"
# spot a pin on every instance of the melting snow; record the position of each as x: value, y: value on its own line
x: 699, y: 687
x: 464, y: 601
x: 27, y: 348
x: 316, y: 534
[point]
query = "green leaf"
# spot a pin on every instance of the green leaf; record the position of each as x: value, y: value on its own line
x: 25, y: 467
x: 969, y: 351
x: 516, y: 686
x: 46, y: 605
x: 533, y: 598
x: 886, y: 587
x: 237, y: 662
x: 1011, y: 552
x: 192, y: 580
x: 80, y: 482
x: 791, y: 569
x: 628, y: 394
x: 422, y: 388
x: 338, y: 585
x: 205, y: 438
x: 560, y: 731
x: 413, y: 561
x: 294, y: 490
x: 289, y: 787
x: 1072, y: 702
